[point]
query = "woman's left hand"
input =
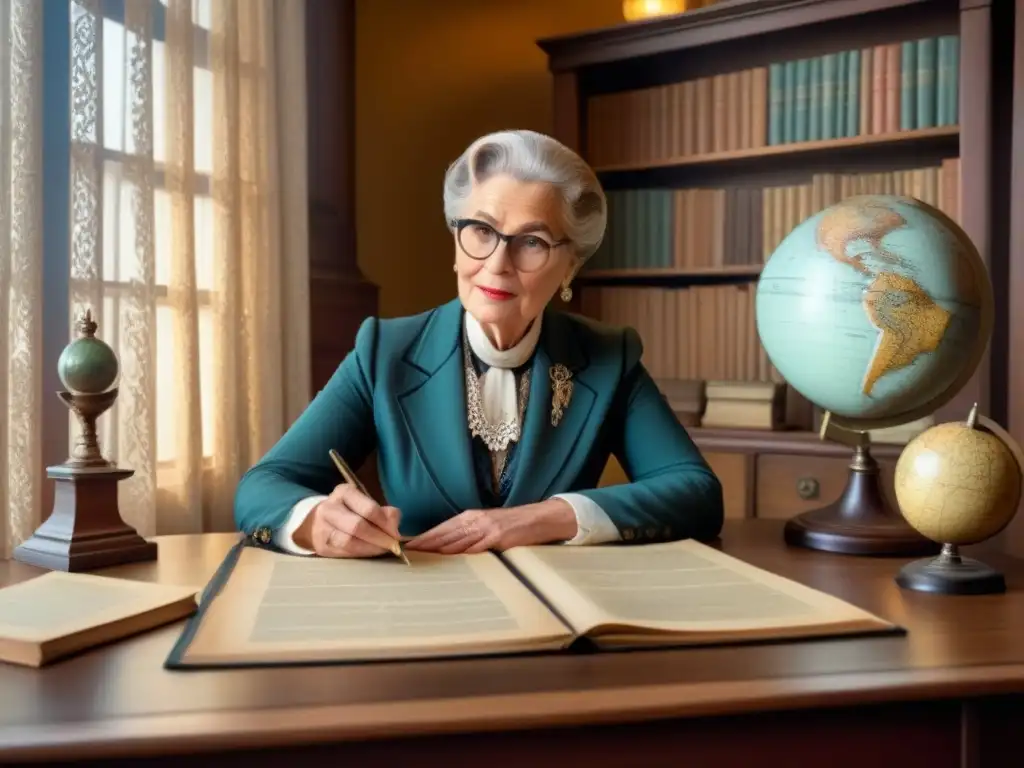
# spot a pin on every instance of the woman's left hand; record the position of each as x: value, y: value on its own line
x: 480, y: 530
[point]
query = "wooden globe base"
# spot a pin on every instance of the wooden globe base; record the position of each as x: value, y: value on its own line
x: 861, y: 521
x: 951, y: 574
x: 85, y: 530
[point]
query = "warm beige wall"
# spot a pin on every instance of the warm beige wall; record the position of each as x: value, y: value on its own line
x: 432, y: 75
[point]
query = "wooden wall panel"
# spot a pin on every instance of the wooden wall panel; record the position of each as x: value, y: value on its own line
x: 340, y: 296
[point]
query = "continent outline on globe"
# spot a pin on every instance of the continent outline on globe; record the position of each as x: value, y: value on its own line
x: 909, y: 322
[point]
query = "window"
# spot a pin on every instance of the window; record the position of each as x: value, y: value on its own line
x: 121, y: 272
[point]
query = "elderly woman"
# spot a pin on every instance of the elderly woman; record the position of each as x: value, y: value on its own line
x: 493, y: 415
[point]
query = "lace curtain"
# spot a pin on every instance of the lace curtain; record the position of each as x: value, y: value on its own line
x: 20, y: 268
x: 179, y: 183
x: 188, y: 217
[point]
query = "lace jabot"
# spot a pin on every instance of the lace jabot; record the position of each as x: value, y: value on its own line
x: 495, y: 404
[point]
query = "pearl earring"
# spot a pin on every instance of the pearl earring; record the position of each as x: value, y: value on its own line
x: 566, y: 294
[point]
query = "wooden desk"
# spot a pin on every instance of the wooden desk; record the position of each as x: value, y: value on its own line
x: 947, y: 694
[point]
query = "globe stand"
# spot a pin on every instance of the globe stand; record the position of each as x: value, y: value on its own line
x: 85, y: 529
x: 861, y: 521
x: 951, y: 574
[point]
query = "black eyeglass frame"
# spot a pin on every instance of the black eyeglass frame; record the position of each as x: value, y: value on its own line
x: 461, y: 224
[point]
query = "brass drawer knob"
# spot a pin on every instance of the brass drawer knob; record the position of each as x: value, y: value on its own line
x: 807, y: 488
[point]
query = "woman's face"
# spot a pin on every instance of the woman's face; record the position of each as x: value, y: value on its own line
x: 509, y: 283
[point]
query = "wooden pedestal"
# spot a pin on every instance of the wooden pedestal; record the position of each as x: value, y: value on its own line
x: 861, y: 521
x: 85, y: 530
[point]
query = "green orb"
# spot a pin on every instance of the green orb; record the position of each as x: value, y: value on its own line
x: 87, y: 366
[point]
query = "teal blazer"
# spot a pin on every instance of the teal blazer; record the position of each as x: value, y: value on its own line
x: 401, y: 391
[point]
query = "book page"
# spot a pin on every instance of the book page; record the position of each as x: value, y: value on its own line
x: 678, y: 587
x: 281, y: 608
x: 57, y: 604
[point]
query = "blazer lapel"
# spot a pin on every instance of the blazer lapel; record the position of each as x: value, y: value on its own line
x: 547, y: 451
x: 434, y: 407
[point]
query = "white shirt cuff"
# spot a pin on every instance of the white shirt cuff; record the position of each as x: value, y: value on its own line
x: 593, y: 526
x: 282, y: 537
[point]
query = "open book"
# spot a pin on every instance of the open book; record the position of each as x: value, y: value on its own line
x: 57, y: 614
x: 266, y: 607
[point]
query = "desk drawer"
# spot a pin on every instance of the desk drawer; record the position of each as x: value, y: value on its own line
x: 734, y: 472
x: 789, y: 484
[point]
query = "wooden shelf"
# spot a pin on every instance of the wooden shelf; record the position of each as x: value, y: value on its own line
x: 668, y: 273
x: 911, y: 139
x: 727, y: 21
x: 798, y: 442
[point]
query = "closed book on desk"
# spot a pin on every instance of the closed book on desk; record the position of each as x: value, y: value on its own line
x: 57, y: 614
x: 266, y: 607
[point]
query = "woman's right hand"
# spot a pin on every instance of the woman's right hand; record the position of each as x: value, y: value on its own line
x: 348, y: 523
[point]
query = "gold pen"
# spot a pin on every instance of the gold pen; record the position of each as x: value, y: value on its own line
x: 350, y: 477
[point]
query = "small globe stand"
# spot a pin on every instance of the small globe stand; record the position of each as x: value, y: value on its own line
x: 85, y: 530
x: 861, y: 521
x: 950, y: 573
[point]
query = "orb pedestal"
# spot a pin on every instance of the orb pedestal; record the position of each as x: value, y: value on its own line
x: 85, y: 529
x: 861, y: 521
x: 951, y: 574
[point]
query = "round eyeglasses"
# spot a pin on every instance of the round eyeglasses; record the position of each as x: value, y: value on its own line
x: 527, y: 252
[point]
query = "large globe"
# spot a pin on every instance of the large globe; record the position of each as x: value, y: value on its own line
x: 876, y: 309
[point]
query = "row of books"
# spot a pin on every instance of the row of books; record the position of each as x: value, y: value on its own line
x: 720, y: 113
x: 705, y: 332
x: 694, y: 229
x: 884, y: 89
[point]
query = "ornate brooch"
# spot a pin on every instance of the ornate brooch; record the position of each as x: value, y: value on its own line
x: 561, y: 392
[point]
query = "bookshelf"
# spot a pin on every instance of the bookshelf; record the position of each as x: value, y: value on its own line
x: 716, y: 131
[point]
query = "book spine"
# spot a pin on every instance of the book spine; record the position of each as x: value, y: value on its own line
x: 733, y: 108
x: 801, y: 99
x: 842, y: 62
x: 866, y: 83
x: 746, y: 109
x: 633, y: 233
x: 789, y: 103
x: 892, y: 88
x: 667, y: 206
x: 719, y: 97
x: 759, y: 121
x: 926, y: 80
x: 853, y: 78
x: 878, y: 69
x: 953, y: 99
x: 704, y: 111
x: 776, y: 93
x: 829, y: 69
x: 908, y: 86
x: 814, y: 100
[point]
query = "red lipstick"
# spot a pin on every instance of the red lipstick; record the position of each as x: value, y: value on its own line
x: 495, y: 294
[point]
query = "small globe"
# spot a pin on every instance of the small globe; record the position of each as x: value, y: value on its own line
x: 876, y: 309
x: 87, y: 366
x: 957, y: 485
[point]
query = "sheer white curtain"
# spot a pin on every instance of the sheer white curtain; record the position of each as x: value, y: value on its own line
x: 189, y: 240
x: 20, y: 268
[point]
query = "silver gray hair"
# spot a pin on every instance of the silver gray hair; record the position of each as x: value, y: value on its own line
x: 533, y: 157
